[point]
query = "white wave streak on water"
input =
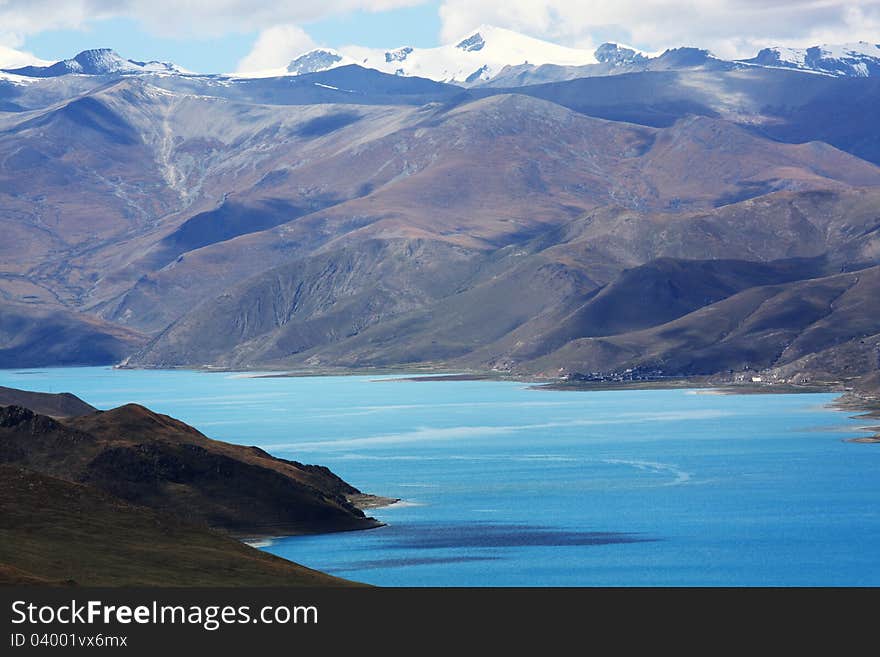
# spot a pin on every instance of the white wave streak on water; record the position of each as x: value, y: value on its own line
x: 490, y: 404
x: 679, y: 475
x: 246, y: 375
x: 220, y: 400
x: 549, y: 458
x: 453, y: 457
x: 221, y: 423
x: 371, y: 410
x: 419, y: 435
x: 426, y: 434
x: 402, y: 504
x: 384, y: 457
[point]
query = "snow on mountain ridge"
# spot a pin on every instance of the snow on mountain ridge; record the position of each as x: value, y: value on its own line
x: 478, y: 56
x: 615, y: 53
x: 316, y: 60
x: 851, y: 49
x: 97, y: 61
x: 796, y: 56
x: 154, y: 66
x: 860, y: 59
x: 482, y: 52
x: 398, y: 55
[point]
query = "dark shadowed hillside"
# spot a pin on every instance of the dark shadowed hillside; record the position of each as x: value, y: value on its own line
x: 33, y: 335
x: 833, y: 320
x: 155, y: 461
x: 131, y: 497
x: 56, y: 532
x: 583, y: 279
x: 55, y: 405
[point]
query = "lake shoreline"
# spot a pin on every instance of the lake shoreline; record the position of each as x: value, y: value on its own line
x: 497, y: 477
x: 363, y: 501
x: 867, y: 404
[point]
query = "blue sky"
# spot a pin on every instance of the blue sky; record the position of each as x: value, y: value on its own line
x: 227, y: 35
x: 417, y: 26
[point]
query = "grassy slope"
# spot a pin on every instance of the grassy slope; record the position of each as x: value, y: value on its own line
x: 57, y: 532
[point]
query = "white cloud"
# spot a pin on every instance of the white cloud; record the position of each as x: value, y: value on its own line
x: 19, y: 18
x: 275, y: 47
x: 729, y: 28
x: 11, y: 58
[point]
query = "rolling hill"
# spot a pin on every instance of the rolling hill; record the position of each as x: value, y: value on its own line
x: 158, y: 462
x: 55, y: 405
x: 776, y: 328
x: 130, y: 497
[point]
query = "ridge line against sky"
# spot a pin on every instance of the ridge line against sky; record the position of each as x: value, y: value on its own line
x: 215, y: 36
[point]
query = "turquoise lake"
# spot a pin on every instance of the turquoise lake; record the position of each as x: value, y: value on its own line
x: 503, y: 485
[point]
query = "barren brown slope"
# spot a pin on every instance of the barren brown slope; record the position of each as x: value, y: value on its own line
x: 717, y: 162
x: 55, y: 532
x: 842, y: 224
x: 468, y: 177
x: 649, y: 295
x: 94, y: 182
x: 787, y: 105
x: 73, y: 178
x: 235, y: 210
x: 314, y: 301
x: 517, y: 302
x: 492, y: 173
x: 134, y: 424
x: 763, y: 328
x: 451, y: 331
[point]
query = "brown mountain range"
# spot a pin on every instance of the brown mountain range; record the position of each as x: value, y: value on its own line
x: 168, y: 223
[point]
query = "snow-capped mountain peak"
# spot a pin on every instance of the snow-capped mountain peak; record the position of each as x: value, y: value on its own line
x: 11, y: 58
x: 477, y: 55
x: 480, y: 55
x: 319, y: 59
x: 97, y: 61
x: 860, y: 59
x: 617, y: 54
x: 155, y: 66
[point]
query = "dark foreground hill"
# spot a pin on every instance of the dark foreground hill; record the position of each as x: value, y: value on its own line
x: 156, y: 461
x: 58, y: 532
x: 129, y: 496
x: 55, y: 405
